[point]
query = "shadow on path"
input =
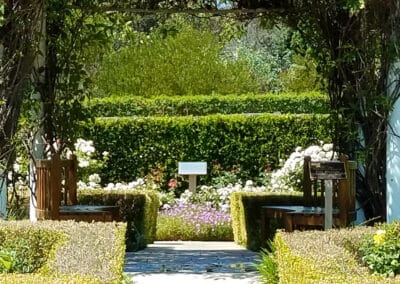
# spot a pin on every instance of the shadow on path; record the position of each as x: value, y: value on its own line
x: 192, y: 261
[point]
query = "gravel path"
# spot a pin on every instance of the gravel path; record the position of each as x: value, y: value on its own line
x: 192, y: 262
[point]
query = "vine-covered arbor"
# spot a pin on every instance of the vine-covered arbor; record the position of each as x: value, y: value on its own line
x: 354, y: 42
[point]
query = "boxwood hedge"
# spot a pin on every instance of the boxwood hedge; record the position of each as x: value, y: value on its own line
x: 126, y: 105
x: 139, y: 209
x: 323, y: 257
x: 246, y: 215
x: 64, y: 251
x: 251, y: 142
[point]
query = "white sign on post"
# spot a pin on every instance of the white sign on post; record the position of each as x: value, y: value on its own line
x: 192, y: 169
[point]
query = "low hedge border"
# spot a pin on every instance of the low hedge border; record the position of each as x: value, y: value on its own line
x: 246, y: 215
x: 42, y: 279
x: 83, y: 253
x: 125, y: 105
x: 30, y: 247
x: 322, y: 257
x: 139, y: 209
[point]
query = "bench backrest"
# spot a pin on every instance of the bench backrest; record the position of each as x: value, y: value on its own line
x: 56, y: 184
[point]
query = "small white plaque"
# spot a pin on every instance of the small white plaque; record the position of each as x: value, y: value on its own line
x: 192, y: 168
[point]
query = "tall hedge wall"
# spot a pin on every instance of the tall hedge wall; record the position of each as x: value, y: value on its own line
x: 253, y: 142
x: 126, y: 105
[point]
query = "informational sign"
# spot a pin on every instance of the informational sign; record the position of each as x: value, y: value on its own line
x: 327, y: 170
x: 192, y: 168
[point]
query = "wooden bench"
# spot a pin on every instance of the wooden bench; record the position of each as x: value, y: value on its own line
x: 311, y: 214
x: 56, y: 194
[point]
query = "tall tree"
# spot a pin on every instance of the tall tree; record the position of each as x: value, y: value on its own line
x: 19, y: 36
x: 352, y: 41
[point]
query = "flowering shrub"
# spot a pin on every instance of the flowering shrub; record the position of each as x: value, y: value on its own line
x: 218, y: 198
x: 186, y: 221
x: 290, y: 176
x: 381, y: 251
x: 88, y: 165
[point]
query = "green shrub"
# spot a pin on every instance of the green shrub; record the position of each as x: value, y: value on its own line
x: 249, y: 142
x: 380, y: 251
x: 322, y: 257
x: 268, y: 268
x: 246, y: 215
x: 27, y: 249
x: 138, y: 209
x: 128, y: 105
x: 186, y: 62
x: 93, y: 249
x: 86, y: 252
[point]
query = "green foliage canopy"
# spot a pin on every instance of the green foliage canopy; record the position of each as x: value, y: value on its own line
x: 181, y: 64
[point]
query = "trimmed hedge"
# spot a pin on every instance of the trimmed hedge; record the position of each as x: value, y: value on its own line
x: 93, y: 249
x: 126, y: 105
x: 253, y: 142
x: 139, y: 209
x: 29, y: 247
x: 246, y: 215
x: 42, y: 279
x: 81, y: 252
x: 323, y: 257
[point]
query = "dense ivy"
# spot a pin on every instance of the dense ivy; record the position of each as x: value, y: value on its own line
x: 126, y: 105
x: 248, y: 143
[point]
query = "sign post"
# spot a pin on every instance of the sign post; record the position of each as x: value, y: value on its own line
x: 327, y: 171
x: 192, y: 169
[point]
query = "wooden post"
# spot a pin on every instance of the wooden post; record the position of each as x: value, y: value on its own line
x: 347, y: 193
x: 55, y: 187
x: 48, y: 188
x: 42, y: 185
x: 192, y: 183
x: 307, y: 184
x: 73, y: 180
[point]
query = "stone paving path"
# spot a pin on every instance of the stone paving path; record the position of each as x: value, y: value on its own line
x: 192, y: 262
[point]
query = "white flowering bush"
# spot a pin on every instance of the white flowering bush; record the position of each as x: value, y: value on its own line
x: 94, y: 183
x: 290, y: 176
x: 89, y: 163
x: 218, y: 198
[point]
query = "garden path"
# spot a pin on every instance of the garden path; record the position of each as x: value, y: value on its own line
x: 192, y: 263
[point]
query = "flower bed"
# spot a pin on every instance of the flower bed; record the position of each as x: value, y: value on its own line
x: 186, y: 221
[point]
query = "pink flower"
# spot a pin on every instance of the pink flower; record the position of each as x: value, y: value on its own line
x: 172, y: 183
